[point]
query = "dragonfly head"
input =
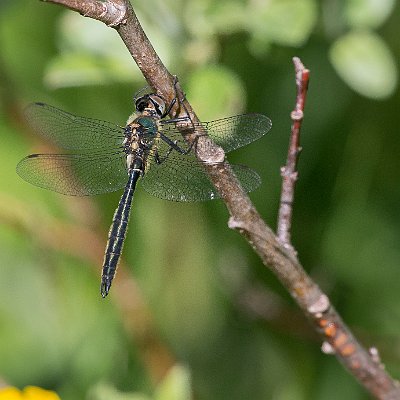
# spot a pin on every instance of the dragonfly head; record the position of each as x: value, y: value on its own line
x: 151, y: 104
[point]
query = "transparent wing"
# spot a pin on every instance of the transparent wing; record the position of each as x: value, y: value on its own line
x: 70, y: 131
x: 183, y: 178
x: 75, y: 174
x: 230, y: 133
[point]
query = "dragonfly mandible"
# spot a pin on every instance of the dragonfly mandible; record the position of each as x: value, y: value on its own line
x: 103, y: 157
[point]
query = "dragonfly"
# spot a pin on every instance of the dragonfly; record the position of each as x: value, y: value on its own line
x: 104, y: 157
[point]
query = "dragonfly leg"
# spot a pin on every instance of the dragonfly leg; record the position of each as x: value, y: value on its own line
x: 173, y: 102
x: 174, y: 145
x: 160, y: 160
x: 167, y: 111
x: 178, y: 90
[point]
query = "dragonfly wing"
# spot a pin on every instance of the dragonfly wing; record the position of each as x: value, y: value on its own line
x: 249, y: 179
x: 234, y: 132
x: 70, y: 131
x: 75, y: 174
x: 184, y: 178
x: 230, y: 133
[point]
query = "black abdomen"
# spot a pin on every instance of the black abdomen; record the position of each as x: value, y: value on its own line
x: 117, y: 233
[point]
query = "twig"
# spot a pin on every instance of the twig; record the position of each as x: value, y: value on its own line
x: 289, y: 171
x: 245, y: 218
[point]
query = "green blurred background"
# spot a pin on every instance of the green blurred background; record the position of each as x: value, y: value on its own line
x: 190, y: 292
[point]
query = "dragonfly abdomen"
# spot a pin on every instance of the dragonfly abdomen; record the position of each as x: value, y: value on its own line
x: 117, y: 233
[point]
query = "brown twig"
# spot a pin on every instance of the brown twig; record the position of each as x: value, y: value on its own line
x: 289, y: 171
x: 245, y: 218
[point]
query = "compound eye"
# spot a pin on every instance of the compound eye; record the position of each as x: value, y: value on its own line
x: 142, y: 103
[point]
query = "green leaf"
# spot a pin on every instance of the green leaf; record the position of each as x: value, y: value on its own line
x: 175, y: 386
x: 208, y: 17
x: 215, y: 92
x: 365, y: 63
x: 368, y: 13
x: 73, y: 69
x: 89, y: 54
x: 285, y: 22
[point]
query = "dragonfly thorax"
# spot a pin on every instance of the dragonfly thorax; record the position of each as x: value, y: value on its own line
x: 139, y: 137
x: 146, y: 125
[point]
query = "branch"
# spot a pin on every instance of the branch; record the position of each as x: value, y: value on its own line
x: 111, y: 12
x: 289, y: 171
x: 245, y: 218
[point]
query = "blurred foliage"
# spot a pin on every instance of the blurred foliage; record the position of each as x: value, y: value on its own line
x: 365, y: 63
x: 201, y: 297
x: 175, y: 386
